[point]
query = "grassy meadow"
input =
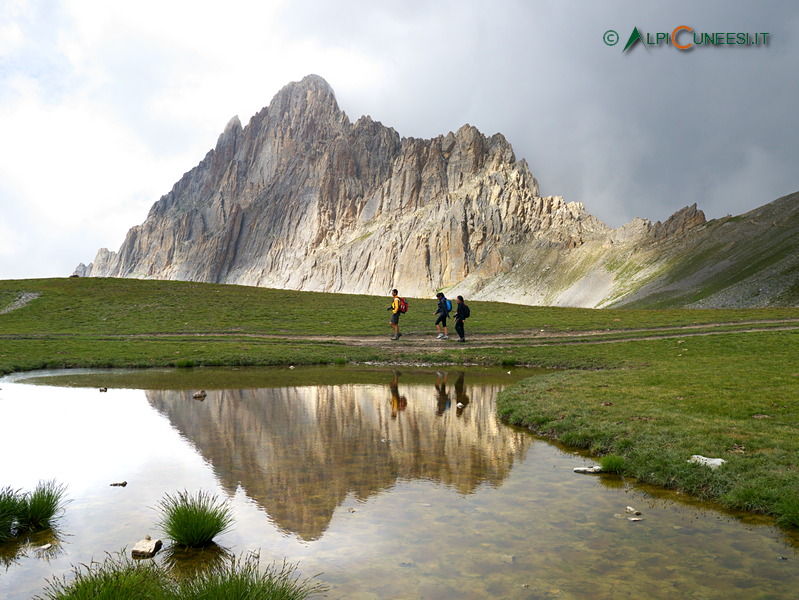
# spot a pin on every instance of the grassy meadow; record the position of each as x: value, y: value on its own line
x: 649, y: 388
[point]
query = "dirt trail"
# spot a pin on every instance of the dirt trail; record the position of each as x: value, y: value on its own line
x: 539, y: 338
x: 428, y: 340
x: 525, y: 338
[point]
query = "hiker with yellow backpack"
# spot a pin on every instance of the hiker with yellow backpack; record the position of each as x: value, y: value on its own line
x: 398, y: 307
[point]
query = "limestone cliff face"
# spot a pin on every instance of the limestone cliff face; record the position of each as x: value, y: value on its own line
x: 301, y: 198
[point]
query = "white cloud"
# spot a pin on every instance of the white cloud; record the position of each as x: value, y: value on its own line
x: 10, y: 240
x: 75, y: 160
x: 11, y: 38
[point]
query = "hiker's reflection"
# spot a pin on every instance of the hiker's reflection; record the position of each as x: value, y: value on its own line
x: 461, y: 399
x: 442, y: 395
x: 398, y: 403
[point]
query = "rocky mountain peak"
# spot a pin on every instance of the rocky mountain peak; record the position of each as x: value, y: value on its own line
x: 677, y: 224
x: 302, y: 105
x: 301, y: 198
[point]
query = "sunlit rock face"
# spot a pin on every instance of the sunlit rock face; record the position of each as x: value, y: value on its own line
x: 302, y: 198
x: 299, y: 452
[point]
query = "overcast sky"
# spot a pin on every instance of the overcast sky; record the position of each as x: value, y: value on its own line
x: 105, y: 104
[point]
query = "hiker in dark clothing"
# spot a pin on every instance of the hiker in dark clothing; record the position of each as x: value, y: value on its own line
x: 461, y: 314
x: 444, y: 306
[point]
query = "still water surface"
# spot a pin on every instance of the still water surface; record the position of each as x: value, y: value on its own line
x: 391, y: 485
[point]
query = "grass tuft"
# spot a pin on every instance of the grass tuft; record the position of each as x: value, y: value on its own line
x: 121, y: 578
x: 788, y: 511
x: 194, y: 521
x: 22, y: 513
x: 38, y: 509
x: 116, y: 578
x: 612, y: 463
x: 9, y: 508
x: 243, y: 579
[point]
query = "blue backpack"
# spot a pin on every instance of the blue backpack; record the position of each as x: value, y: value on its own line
x: 449, y: 305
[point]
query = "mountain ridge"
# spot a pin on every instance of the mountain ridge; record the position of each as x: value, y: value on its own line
x: 303, y: 198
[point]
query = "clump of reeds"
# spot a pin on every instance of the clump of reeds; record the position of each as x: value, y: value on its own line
x: 9, y: 507
x: 38, y: 508
x: 194, y: 521
x: 25, y: 512
x: 117, y: 577
x: 243, y: 579
x: 121, y: 578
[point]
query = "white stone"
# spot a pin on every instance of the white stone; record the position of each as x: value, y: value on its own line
x: 592, y: 469
x: 146, y: 548
x: 713, y: 463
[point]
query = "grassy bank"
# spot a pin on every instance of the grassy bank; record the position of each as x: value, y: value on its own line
x: 732, y: 396
x: 651, y: 386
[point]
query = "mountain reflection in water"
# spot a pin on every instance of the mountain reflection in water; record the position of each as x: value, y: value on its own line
x: 300, y: 451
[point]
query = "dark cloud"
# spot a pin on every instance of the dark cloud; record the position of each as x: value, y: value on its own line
x: 636, y: 134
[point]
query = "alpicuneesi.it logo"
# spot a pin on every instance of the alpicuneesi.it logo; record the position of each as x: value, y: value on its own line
x: 685, y: 38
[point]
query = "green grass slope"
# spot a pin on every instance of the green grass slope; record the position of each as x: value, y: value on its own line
x: 745, y: 261
x: 90, y: 322
x: 96, y: 306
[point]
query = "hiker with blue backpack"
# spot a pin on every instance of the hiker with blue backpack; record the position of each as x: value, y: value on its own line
x: 443, y: 310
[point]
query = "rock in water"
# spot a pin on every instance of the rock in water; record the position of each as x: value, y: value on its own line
x: 591, y: 469
x: 146, y: 548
